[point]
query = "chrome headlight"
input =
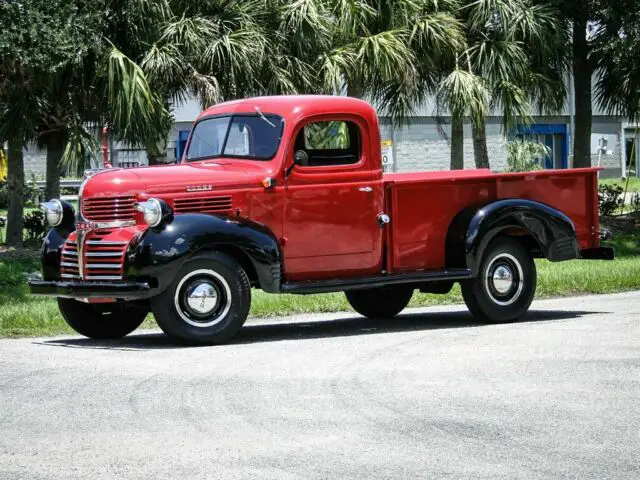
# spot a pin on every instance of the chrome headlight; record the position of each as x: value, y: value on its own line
x: 52, y: 211
x: 151, y: 210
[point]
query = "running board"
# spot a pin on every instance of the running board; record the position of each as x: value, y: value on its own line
x: 338, y: 285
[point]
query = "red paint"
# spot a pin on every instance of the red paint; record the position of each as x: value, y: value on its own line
x: 325, y: 218
x: 105, y: 148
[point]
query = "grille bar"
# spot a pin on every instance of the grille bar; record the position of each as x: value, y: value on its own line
x: 106, y: 209
x: 105, y: 258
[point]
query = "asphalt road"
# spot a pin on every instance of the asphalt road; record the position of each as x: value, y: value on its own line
x: 428, y: 395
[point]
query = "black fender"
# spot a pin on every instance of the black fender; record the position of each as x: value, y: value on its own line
x: 158, y: 253
x: 54, y: 241
x: 471, y: 231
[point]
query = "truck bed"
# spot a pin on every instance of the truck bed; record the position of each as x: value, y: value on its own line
x: 423, y: 204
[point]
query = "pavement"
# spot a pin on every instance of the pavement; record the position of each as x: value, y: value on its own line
x: 427, y: 395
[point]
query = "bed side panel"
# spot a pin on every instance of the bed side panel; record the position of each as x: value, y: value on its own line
x: 422, y: 214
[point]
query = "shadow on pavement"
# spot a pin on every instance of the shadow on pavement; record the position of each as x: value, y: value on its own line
x: 342, y: 327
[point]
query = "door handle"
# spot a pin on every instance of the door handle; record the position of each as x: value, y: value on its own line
x: 366, y: 189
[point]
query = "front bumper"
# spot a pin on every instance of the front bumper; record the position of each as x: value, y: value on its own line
x: 70, y: 289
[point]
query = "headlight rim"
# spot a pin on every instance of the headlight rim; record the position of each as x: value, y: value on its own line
x: 154, y: 205
x: 47, y: 207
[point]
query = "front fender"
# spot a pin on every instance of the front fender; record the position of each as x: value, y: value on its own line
x: 158, y: 254
x: 473, y: 229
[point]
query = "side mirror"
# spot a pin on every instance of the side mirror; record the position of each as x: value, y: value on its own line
x: 301, y: 158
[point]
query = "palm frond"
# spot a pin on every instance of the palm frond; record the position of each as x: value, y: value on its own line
x: 465, y: 94
x: 129, y: 96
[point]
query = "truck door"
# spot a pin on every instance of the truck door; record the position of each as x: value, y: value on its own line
x: 334, y: 194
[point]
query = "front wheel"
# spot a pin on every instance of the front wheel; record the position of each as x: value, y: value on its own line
x: 207, y: 303
x: 102, y: 320
x: 385, y: 302
x: 505, y: 285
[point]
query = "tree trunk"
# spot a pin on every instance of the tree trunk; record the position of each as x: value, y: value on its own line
x: 480, y: 151
x: 582, y: 73
x: 157, y: 150
x: 55, y: 148
x: 457, y: 142
x: 353, y: 91
x: 15, y: 188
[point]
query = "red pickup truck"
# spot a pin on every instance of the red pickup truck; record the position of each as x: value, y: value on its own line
x: 287, y: 194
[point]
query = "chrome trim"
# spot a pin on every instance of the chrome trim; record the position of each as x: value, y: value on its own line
x: 106, y: 243
x: 115, y: 224
x: 70, y: 253
x: 366, y: 189
x: 69, y: 264
x: 52, y: 205
x: 103, y: 277
x: 104, y: 254
x: 80, y: 234
x: 68, y: 275
x: 106, y: 266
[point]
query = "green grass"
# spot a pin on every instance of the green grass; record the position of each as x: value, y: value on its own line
x: 22, y: 314
x: 634, y: 183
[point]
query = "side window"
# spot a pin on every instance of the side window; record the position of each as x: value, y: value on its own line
x: 334, y: 142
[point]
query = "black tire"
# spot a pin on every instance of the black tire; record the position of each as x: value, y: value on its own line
x: 505, y: 285
x: 384, y: 302
x: 102, y: 320
x: 207, y: 303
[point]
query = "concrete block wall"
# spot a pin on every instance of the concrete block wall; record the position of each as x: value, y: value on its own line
x: 35, y: 162
x: 424, y: 145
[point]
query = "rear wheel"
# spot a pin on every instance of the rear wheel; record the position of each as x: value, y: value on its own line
x: 385, y: 302
x: 505, y: 285
x: 207, y: 302
x: 102, y: 320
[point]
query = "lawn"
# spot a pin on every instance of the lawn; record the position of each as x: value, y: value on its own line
x: 24, y: 315
x: 634, y: 183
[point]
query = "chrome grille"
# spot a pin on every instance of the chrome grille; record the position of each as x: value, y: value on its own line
x: 102, y: 260
x: 69, y: 260
x: 109, y: 209
x: 203, y: 205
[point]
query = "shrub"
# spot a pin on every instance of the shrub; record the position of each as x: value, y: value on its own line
x: 523, y: 156
x: 635, y: 202
x: 34, y: 225
x: 609, y: 199
x: 29, y: 194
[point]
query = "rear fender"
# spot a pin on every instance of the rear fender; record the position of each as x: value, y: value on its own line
x: 158, y: 254
x: 473, y: 229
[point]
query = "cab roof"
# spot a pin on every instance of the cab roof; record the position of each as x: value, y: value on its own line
x: 293, y: 107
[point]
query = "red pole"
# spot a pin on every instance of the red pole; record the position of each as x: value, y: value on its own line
x: 105, y: 149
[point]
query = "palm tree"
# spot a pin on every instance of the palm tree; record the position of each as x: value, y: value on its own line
x: 28, y: 55
x: 55, y: 76
x: 506, y: 66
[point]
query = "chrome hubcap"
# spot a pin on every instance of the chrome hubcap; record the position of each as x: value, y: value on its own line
x: 202, y: 298
x: 502, y: 279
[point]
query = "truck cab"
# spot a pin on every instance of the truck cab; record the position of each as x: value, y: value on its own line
x: 287, y: 194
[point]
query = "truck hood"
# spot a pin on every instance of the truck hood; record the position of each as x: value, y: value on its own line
x: 167, y: 179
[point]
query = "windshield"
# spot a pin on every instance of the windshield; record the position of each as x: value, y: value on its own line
x: 254, y: 137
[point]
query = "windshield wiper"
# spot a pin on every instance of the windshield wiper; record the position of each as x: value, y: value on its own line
x: 263, y: 117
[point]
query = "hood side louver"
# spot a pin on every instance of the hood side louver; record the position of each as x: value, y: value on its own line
x: 203, y: 205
